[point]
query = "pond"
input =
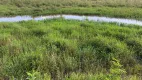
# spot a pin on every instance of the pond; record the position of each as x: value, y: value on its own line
x: 74, y: 17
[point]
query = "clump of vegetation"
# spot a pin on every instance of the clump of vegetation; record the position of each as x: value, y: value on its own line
x: 69, y: 49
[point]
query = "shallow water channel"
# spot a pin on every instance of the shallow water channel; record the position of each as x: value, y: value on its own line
x: 76, y: 17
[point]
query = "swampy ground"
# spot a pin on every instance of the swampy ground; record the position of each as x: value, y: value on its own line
x: 70, y: 50
x: 59, y: 49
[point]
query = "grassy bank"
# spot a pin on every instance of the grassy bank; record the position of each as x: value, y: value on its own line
x: 83, y: 3
x: 72, y: 50
x: 117, y: 8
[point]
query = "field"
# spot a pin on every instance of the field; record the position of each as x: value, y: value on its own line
x: 111, y: 8
x: 71, y: 50
x: 60, y: 49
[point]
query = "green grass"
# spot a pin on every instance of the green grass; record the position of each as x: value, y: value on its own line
x: 71, y: 50
x: 60, y: 49
x: 58, y: 3
x: 116, y: 8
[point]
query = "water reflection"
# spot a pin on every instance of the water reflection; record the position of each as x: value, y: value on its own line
x: 76, y: 17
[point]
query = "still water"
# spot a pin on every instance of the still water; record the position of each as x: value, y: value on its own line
x: 76, y: 17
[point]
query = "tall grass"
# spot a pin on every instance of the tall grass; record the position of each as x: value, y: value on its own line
x: 69, y: 49
x: 111, y: 8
